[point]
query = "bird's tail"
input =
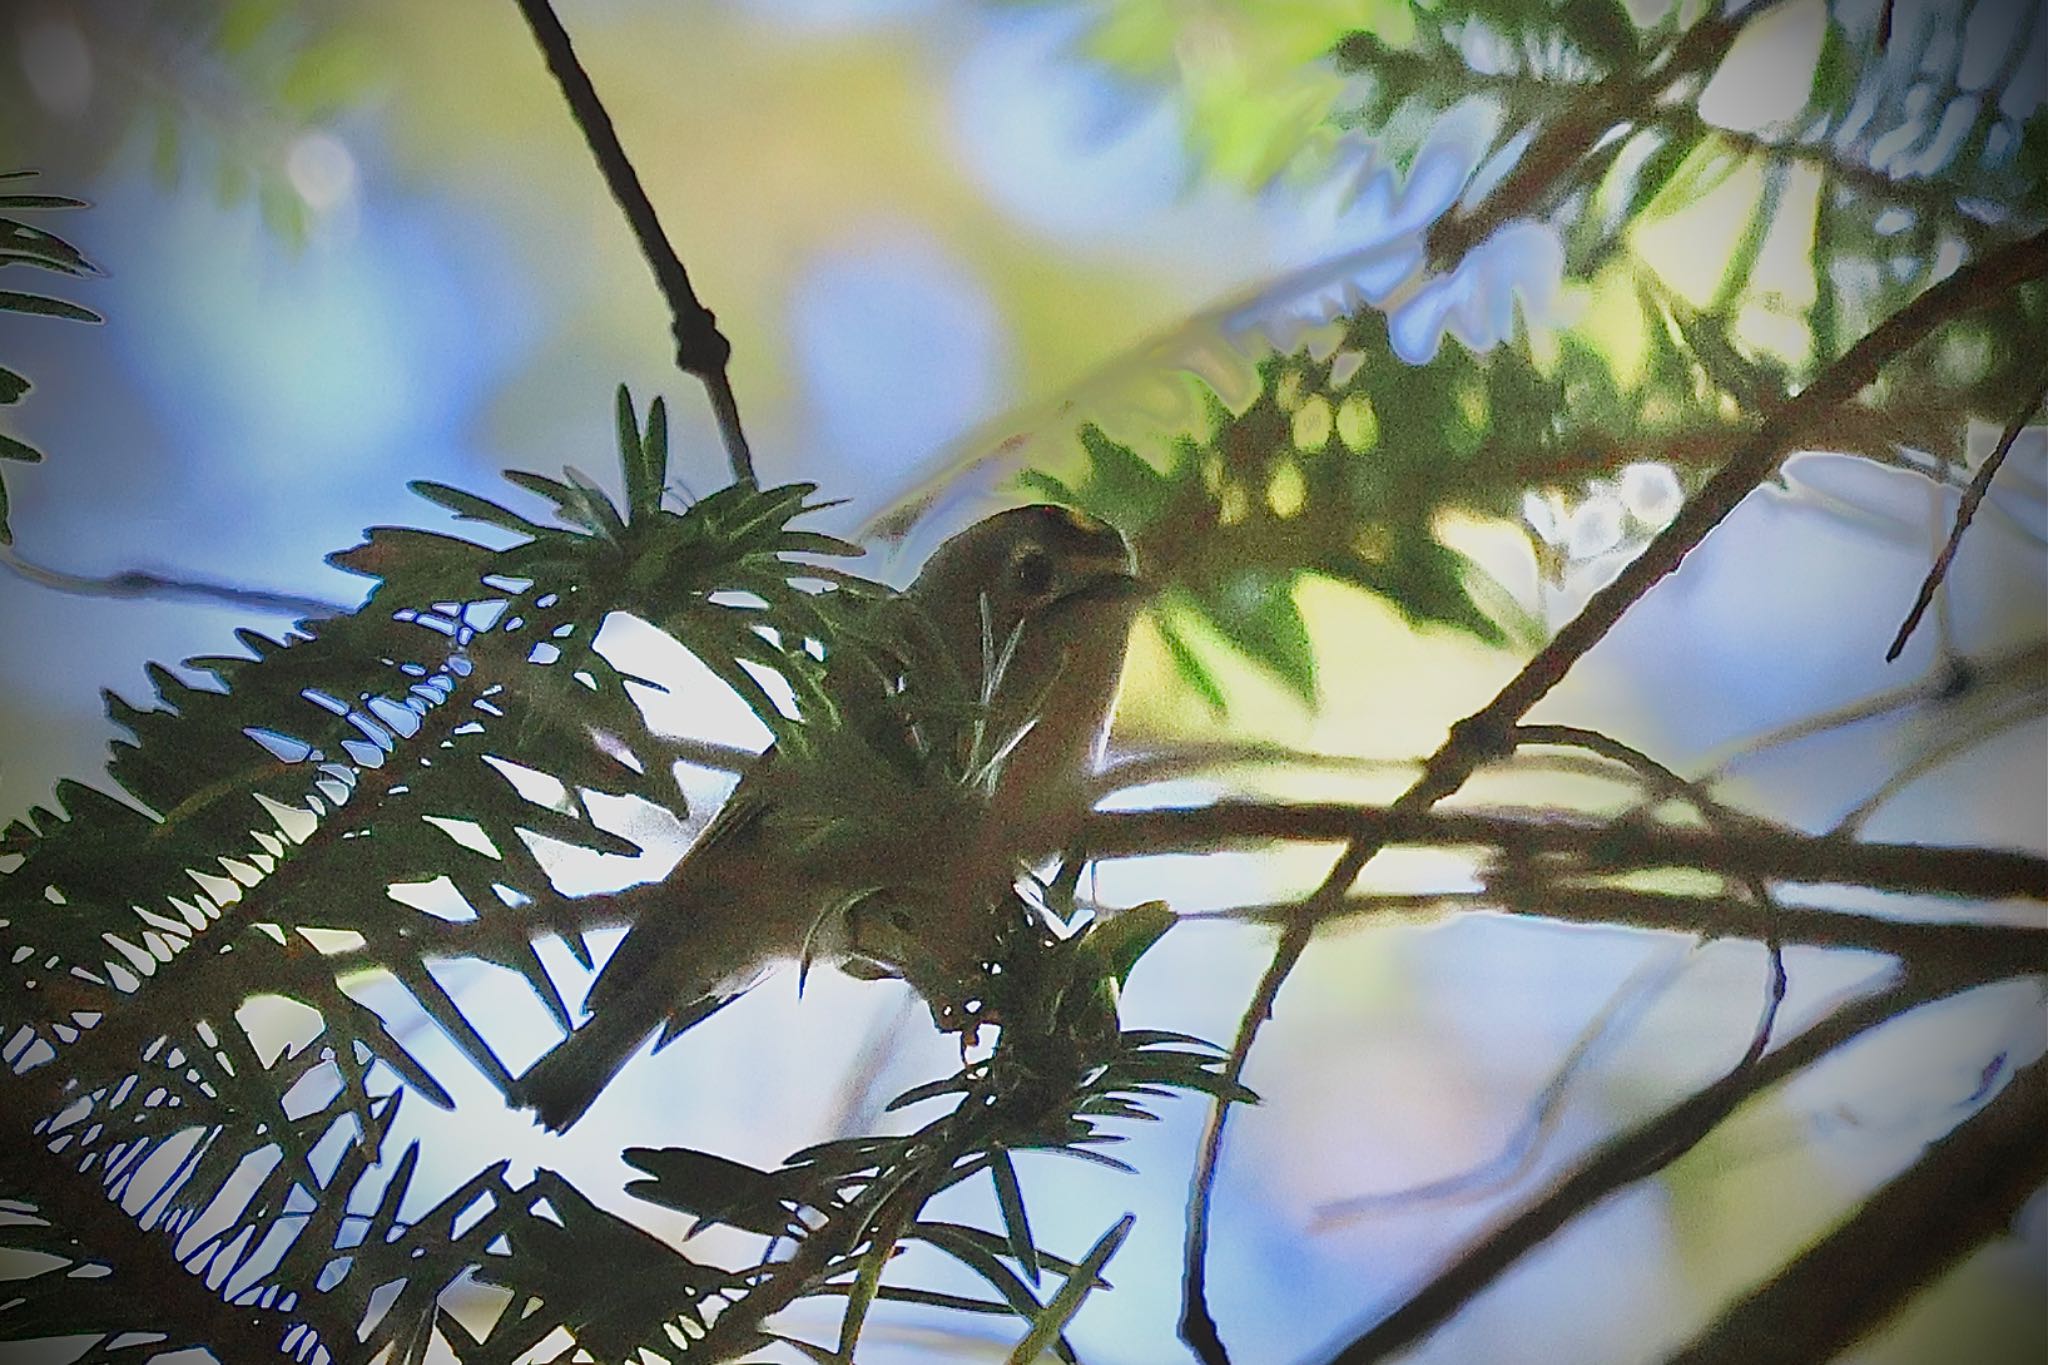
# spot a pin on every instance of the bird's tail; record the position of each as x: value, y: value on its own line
x: 561, y: 1086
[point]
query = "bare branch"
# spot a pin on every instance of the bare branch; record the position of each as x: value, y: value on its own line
x: 701, y: 349
x: 1483, y: 735
x: 1976, y: 950
x: 1621, y: 1161
x: 1965, y: 510
x: 1576, y: 845
x: 1965, y: 1190
x: 139, y: 583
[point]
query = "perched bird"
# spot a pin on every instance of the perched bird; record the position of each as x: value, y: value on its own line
x: 846, y: 857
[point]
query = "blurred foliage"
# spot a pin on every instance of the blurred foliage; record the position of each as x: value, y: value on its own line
x: 1259, y: 100
x: 219, y: 88
x: 1580, y: 417
x: 22, y: 244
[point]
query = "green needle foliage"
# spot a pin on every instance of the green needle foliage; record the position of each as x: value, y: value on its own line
x: 1063, y: 1068
x: 22, y: 244
x: 271, y: 814
x: 283, y: 802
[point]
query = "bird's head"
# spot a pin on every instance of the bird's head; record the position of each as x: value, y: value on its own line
x: 1061, y: 575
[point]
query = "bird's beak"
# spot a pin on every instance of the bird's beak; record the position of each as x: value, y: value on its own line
x: 1116, y: 585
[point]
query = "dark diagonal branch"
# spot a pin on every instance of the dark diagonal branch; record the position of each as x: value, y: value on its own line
x: 1965, y: 510
x: 1619, y: 1162
x: 1484, y: 735
x: 1963, y: 1191
x: 1552, y: 156
x: 701, y: 349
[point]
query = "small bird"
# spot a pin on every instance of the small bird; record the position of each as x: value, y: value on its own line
x: 847, y: 858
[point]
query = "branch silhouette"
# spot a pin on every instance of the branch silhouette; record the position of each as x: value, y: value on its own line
x: 1965, y: 1190
x: 1484, y: 734
x: 702, y: 351
x: 1622, y: 1160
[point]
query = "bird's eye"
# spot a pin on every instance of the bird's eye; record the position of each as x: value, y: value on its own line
x: 1032, y: 573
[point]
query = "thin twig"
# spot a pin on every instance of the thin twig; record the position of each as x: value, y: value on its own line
x: 1621, y: 1161
x: 2020, y: 667
x: 1964, y: 1190
x: 1720, y: 819
x: 1524, y: 1147
x: 701, y: 349
x: 1965, y: 511
x: 1939, y: 753
x: 135, y: 583
x: 1197, y: 1325
x: 1481, y: 736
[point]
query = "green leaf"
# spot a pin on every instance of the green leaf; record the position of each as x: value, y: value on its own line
x: 867, y: 1283
x: 930, y: 1090
x: 810, y: 1349
x: 633, y: 455
x: 1835, y: 72
x: 1253, y: 607
x: 21, y: 244
x: 12, y: 385
x: 1119, y: 940
x: 165, y: 154
x: 977, y: 1258
x: 1060, y: 1309
x: 42, y: 306
x: 11, y: 449
x: 1189, y: 665
x: 328, y: 75
x: 1657, y: 169
x: 40, y: 201
x: 654, y: 458
x: 716, y: 1189
x: 2033, y: 154
x: 284, y: 211
x: 469, y: 507
x: 598, y: 504
x: 1010, y: 1199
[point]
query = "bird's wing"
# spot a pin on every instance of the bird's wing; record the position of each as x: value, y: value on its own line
x: 710, y: 876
